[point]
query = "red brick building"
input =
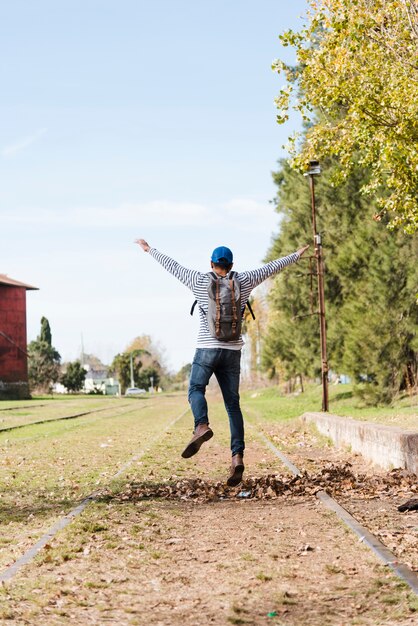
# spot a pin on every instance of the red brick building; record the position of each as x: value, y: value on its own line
x: 13, y: 341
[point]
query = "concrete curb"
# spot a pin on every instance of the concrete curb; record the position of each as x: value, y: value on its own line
x: 386, y: 446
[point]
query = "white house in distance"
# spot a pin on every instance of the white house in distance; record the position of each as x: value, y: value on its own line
x: 97, y: 381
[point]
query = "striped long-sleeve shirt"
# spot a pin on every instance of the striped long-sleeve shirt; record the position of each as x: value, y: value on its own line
x: 198, y: 282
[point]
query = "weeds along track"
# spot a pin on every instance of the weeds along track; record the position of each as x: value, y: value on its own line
x: 72, y: 416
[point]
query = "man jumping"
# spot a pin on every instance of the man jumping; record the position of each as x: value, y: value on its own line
x: 216, y: 356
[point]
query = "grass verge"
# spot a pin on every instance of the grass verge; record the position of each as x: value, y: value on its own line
x: 273, y: 406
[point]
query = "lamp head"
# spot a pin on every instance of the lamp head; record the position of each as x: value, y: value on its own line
x: 314, y: 169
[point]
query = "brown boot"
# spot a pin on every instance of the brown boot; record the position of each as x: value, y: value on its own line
x: 237, y: 470
x: 201, y: 434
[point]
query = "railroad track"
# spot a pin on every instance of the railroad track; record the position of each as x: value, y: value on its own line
x: 36, y: 405
x: 19, y: 408
x: 62, y: 418
x: 382, y: 552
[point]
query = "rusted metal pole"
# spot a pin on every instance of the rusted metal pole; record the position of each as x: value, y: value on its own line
x: 321, y: 298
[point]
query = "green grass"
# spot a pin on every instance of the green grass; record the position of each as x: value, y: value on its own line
x: 272, y: 406
x: 48, y: 469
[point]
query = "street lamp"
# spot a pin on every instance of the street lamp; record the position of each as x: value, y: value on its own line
x: 314, y: 169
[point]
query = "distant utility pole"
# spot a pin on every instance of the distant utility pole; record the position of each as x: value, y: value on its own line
x: 315, y: 170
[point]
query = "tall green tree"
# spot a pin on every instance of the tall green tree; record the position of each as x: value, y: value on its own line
x: 356, y: 84
x: 43, y: 361
x: 45, y: 334
x: 371, y: 278
x: 292, y: 338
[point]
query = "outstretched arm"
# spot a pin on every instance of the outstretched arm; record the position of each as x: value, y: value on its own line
x: 184, y: 275
x: 274, y: 267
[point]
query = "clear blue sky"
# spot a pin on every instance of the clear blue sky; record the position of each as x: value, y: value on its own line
x: 123, y: 119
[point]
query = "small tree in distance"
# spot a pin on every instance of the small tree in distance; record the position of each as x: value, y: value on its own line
x: 121, y: 366
x: 74, y: 377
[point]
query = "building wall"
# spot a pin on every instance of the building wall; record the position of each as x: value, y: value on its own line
x: 13, y: 362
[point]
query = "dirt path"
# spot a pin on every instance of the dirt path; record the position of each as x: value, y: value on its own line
x: 371, y: 495
x: 282, y: 561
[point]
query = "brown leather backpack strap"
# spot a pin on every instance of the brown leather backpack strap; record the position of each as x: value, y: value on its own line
x: 218, y: 310
x: 234, y: 306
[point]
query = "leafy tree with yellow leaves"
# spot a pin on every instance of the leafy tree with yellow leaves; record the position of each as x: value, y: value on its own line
x: 356, y: 87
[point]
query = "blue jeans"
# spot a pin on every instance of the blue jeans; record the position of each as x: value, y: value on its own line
x: 225, y: 364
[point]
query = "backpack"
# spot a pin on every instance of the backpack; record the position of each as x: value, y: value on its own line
x: 224, y: 314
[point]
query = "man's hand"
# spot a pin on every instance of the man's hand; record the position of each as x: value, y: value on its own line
x: 144, y: 245
x: 301, y: 251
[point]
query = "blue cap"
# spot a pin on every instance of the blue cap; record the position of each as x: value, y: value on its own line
x: 222, y: 256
